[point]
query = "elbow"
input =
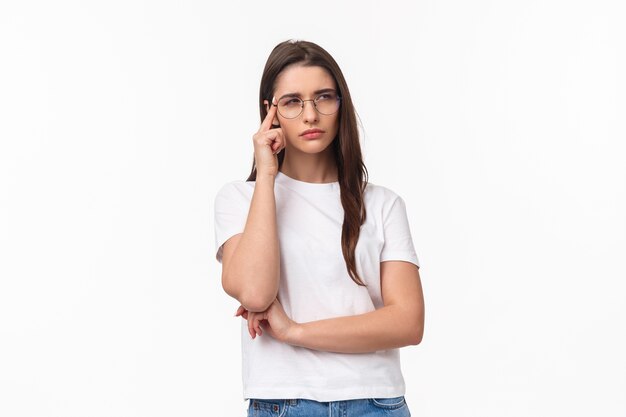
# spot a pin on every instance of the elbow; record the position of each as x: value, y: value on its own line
x: 416, y: 334
x: 258, y: 299
x: 254, y: 300
x: 255, y: 303
x: 416, y: 330
x: 416, y: 340
x: 252, y: 303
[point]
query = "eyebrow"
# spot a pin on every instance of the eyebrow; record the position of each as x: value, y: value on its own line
x: 323, y: 90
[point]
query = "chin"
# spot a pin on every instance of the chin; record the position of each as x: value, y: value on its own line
x: 310, y: 145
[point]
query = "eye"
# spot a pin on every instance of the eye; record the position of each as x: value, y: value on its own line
x: 291, y: 102
x: 326, y: 96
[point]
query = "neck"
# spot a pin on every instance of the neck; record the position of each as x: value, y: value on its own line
x: 314, y: 168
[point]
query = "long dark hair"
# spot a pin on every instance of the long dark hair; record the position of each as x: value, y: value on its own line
x: 352, y: 173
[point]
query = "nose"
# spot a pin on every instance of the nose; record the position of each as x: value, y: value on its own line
x: 309, y: 112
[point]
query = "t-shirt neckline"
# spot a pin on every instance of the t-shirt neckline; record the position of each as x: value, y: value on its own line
x: 313, y: 187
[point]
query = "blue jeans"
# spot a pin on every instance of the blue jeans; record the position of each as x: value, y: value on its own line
x: 365, y: 407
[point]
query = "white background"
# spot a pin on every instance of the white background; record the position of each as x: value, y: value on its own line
x: 501, y: 123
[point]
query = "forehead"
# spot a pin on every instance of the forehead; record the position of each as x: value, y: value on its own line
x: 304, y: 80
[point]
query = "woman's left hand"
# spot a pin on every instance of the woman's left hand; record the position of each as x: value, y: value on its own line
x: 274, y: 321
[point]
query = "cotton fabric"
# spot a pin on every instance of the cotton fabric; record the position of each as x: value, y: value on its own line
x: 315, y: 285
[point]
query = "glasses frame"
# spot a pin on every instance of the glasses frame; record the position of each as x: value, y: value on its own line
x: 314, y: 106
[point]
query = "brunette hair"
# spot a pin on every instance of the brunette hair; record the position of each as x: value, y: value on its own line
x: 352, y: 173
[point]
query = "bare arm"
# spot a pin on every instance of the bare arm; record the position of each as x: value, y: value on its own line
x: 251, y: 260
x: 399, y: 323
x: 251, y: 264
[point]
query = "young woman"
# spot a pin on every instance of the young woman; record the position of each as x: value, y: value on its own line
x: 321, y: 261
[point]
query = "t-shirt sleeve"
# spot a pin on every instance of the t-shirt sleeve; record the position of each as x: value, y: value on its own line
x: 398, y: 243
x: 231, y: 212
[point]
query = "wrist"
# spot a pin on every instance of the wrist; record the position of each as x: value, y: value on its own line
x: 294, y: 335
x: 265, y: 177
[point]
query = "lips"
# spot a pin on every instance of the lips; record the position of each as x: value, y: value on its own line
x: 311, y: 131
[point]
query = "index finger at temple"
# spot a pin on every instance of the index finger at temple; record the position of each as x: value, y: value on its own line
x: 267, y: 122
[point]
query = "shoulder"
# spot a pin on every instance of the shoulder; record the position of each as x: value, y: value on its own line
x: 235, y: 189
x: 377, y: 193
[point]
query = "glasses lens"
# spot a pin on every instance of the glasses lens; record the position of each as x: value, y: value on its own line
x: 327, y: 103
x: 290, y: 107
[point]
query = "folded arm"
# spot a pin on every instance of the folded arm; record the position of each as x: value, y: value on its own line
x: 400, y: 322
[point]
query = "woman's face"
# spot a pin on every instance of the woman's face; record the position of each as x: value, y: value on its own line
x: 305, y: 81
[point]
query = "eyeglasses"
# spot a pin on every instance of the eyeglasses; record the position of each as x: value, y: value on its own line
x: 325, y: 103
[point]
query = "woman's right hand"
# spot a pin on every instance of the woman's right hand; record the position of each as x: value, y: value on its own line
x: 268, y: 143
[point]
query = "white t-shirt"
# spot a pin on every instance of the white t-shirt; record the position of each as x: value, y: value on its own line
x: 315, y: 285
